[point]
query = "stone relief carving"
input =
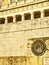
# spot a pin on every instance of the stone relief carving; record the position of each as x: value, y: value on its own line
x: 13, y: 60
x: 38, y: 47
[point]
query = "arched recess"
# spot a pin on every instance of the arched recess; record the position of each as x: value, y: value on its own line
x: 10, y: 19
x: 2, y: 20
x: 46, y: 12
x: 37, y: 14
x: 27, y: 16
x: 18, y: 18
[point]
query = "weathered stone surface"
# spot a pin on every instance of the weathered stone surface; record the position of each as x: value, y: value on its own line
x: 16, y: 38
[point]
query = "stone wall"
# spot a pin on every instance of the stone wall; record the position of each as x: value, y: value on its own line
x: 16, y: 38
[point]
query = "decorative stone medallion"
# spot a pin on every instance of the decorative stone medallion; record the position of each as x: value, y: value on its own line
x: 38, y: 47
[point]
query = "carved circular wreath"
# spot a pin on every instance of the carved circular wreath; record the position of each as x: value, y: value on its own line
x: 38, y: 47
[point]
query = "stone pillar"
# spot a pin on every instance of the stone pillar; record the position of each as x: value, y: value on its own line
x: 14, y: 19
x: 22, y: 17
x: 16, y: 1
x: 42, y: 13
x: 9, y: 2
x: 32, y: 15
